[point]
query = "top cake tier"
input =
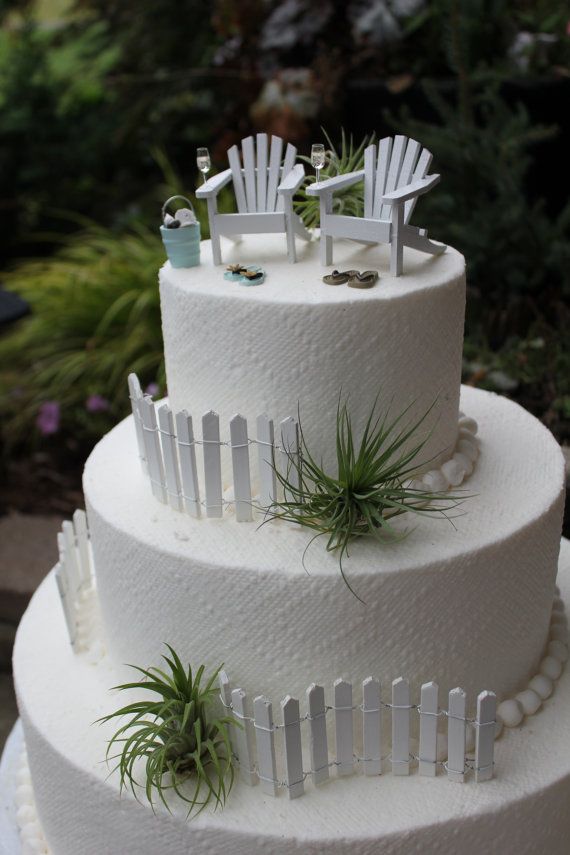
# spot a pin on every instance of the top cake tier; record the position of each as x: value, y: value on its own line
x: 294, y: 344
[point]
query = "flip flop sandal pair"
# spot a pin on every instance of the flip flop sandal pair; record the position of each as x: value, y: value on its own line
x: 338, y: 277
x: 353, y: 278
x: 251, y: 275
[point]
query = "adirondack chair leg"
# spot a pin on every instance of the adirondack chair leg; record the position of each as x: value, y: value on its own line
x: 214, y: 236
x: 291, y: 252
x: 326, y: 240
x: 397, y: 246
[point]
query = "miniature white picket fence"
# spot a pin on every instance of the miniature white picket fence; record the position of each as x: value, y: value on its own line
x: 167, y: 449
x: 253, y: 740
x: 74, y: 571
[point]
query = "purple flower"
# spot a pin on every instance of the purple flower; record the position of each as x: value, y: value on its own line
x: 47, y: 420
x: 151, y: 389
x: 96, y: 404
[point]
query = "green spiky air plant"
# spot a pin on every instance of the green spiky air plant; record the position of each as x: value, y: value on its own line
x: 177, y: 737
x: 372, y: 485
x: 349, y: 201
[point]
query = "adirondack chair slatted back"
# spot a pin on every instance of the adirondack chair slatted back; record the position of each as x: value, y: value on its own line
x: 400, y: 162
x: 255, y: 185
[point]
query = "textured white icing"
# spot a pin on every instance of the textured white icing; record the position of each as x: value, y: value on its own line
x: 295, y: 342
x: 523, y: 810
x: 439, y: 605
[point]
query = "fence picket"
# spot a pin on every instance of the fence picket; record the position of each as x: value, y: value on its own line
x: 456, y: 736
x: 66, y: 603
x: 266, y: 453
x: 82, y: 537
x: 293, y: 753
x: 71, y: 558
x: 428, y: 729
x: 343, y: 727
x: 226, y: 699
x: 187, y: 457
x: 240, y: 462
x: 135, y: 394
x: 318, y: 733
x: 152, y: 448
x: 243, y: 740
x: 212, y: 464
x: 400, y: 727
x: 485, y: 736
x: 371, y: 727
x: 265, y: 743
x: 168, y: 443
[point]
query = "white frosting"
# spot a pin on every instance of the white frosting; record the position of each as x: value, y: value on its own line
x: 296, y: 343
x: 523, y: 810
x: 435, y: 603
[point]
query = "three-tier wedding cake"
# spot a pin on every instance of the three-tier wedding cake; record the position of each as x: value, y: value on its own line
x: 179, y: 556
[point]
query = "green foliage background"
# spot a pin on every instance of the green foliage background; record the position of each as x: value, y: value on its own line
x: 102, y: 106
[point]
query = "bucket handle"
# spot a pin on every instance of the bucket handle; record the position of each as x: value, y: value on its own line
x: 172, y: 198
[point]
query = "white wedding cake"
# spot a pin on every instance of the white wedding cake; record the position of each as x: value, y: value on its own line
x: 466, y: 602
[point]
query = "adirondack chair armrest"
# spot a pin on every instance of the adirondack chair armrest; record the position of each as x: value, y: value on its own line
x: 337, y: 182
x: 415, y: 189
x: 214, y: 184
x: 292, y: 180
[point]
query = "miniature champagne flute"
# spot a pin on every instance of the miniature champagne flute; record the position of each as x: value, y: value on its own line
x: 203, y: 161
x: 317, y: 158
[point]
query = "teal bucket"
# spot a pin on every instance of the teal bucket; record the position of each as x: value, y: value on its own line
x: 182, y: 245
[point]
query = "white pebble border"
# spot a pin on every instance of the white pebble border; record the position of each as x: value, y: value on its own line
x: 512, y: 711
x: 454, y: 471
x: 31, y: 835
x: 89, y: 641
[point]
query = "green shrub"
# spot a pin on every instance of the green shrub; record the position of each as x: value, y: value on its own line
x: 95, y: 317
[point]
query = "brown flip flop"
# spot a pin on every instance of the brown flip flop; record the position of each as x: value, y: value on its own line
x: 363, y: 280
x: 338, y: 277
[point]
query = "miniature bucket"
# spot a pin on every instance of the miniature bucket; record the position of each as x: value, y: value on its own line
x: 182, y: 245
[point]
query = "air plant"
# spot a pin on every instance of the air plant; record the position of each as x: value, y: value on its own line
x: 374, y: 482
x: 350, y: 201
x: 177, y: 737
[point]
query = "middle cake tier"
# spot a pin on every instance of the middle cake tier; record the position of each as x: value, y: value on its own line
x: 295, y: 345
x: 463, y: 603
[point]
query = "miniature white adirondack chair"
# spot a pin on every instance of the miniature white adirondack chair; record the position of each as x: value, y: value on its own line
x: 265, y: 203
x: 392, y: 184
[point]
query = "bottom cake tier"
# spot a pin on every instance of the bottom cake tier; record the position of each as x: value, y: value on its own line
x: 524, y: 809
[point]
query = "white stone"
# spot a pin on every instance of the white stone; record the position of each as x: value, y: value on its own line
x: 25, y: 814
x: 550, y: 667
x: 543, y: 686
x: 499, y: 726
x: 468, y: 424
x: 435, y: 481
x: 454, y: 472
x: 463, y: 461
x: 511, y: 712
x: 558, y: 650
x: 530, y: 701
x: 468, y: 449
